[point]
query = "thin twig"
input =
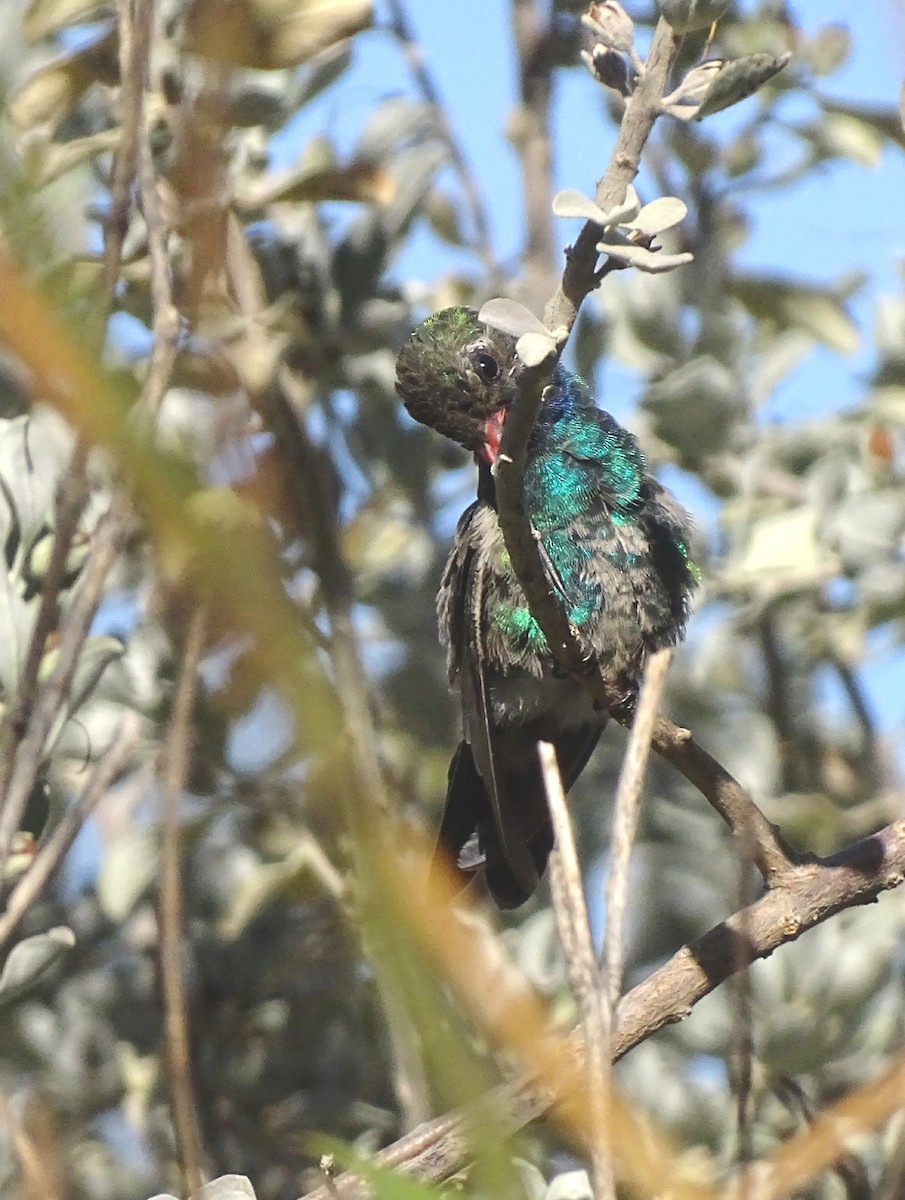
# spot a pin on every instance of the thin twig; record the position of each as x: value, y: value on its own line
x: 134, y: 40
x: 642, y: 110
x: 579, y: 278
x: 51, y: 854
x: 174, y: 771
x: 759, y: 840
x: 578, y: 949
x: 742, y: 1048
x: 134, y: 48
x: 166, y: 320
x: 850, y: 1170
x: 626, y: 810
x: 108, y: 538
x: 42, y: 1175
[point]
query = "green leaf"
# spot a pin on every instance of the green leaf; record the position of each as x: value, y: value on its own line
x: 789, y: 305
x: 784, y: 543
x: 364, y: 182
x: 738, y: 80
x: 695, y: 406
x: 30, y: 959
x: 127, y: 870
x: 46, y: 160
x: 839, y: 135
x: 687, y: 15
x: 888, y: 123
x: 322, y: 70
x: 828, y: 49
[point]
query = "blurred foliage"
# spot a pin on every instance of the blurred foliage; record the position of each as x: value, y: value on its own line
x: 286, y: 279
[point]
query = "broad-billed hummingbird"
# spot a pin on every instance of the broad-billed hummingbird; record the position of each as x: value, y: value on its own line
x: 614, y: 544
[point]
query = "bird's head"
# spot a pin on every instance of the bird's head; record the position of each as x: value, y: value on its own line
x: 459, y: 377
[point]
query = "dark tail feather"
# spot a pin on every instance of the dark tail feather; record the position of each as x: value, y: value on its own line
x: 468, y: 815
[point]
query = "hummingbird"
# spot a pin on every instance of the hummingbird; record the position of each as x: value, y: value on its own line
x: 615, y: 548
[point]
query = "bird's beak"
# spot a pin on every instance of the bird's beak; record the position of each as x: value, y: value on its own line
x: 493, y: 434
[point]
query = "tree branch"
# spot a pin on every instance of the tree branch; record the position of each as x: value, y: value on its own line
x: 51, y: 854
x: 626, y: 809
x: 174, y: 771
x: 593, y: 1005
x: 810, y: 894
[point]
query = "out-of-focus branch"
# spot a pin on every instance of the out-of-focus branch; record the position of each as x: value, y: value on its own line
x: 529, y: 132
x: 166, y: 319
x: 316, y: 520
x: 809, y: 895
x: 134, y: 27
x: 108, y: 540
x: 51, y: 854
x: 174, y: 768
x: 825, y: 1142
x: 69, y: 505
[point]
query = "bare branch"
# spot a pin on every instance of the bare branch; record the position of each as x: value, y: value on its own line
x: 759, y: 840
x: 575, y: 936
x: 134, y: 49
x: 626, y: 809
x: 166, y: 319
x: 174, y: 771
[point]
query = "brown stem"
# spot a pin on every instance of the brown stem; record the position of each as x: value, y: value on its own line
x: 575, y: 938
x: 316, y: 520
x: 759, y: 840
x: 174, y: 771
x: 626, y: 809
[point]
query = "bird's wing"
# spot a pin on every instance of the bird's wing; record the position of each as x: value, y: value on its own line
x: 482, y: 735
x: 474, y: 795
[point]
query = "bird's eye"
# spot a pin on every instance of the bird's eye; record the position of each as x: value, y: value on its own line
x: 488, y: 367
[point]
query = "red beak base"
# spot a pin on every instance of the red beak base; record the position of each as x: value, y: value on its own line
x: 493, y: 435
